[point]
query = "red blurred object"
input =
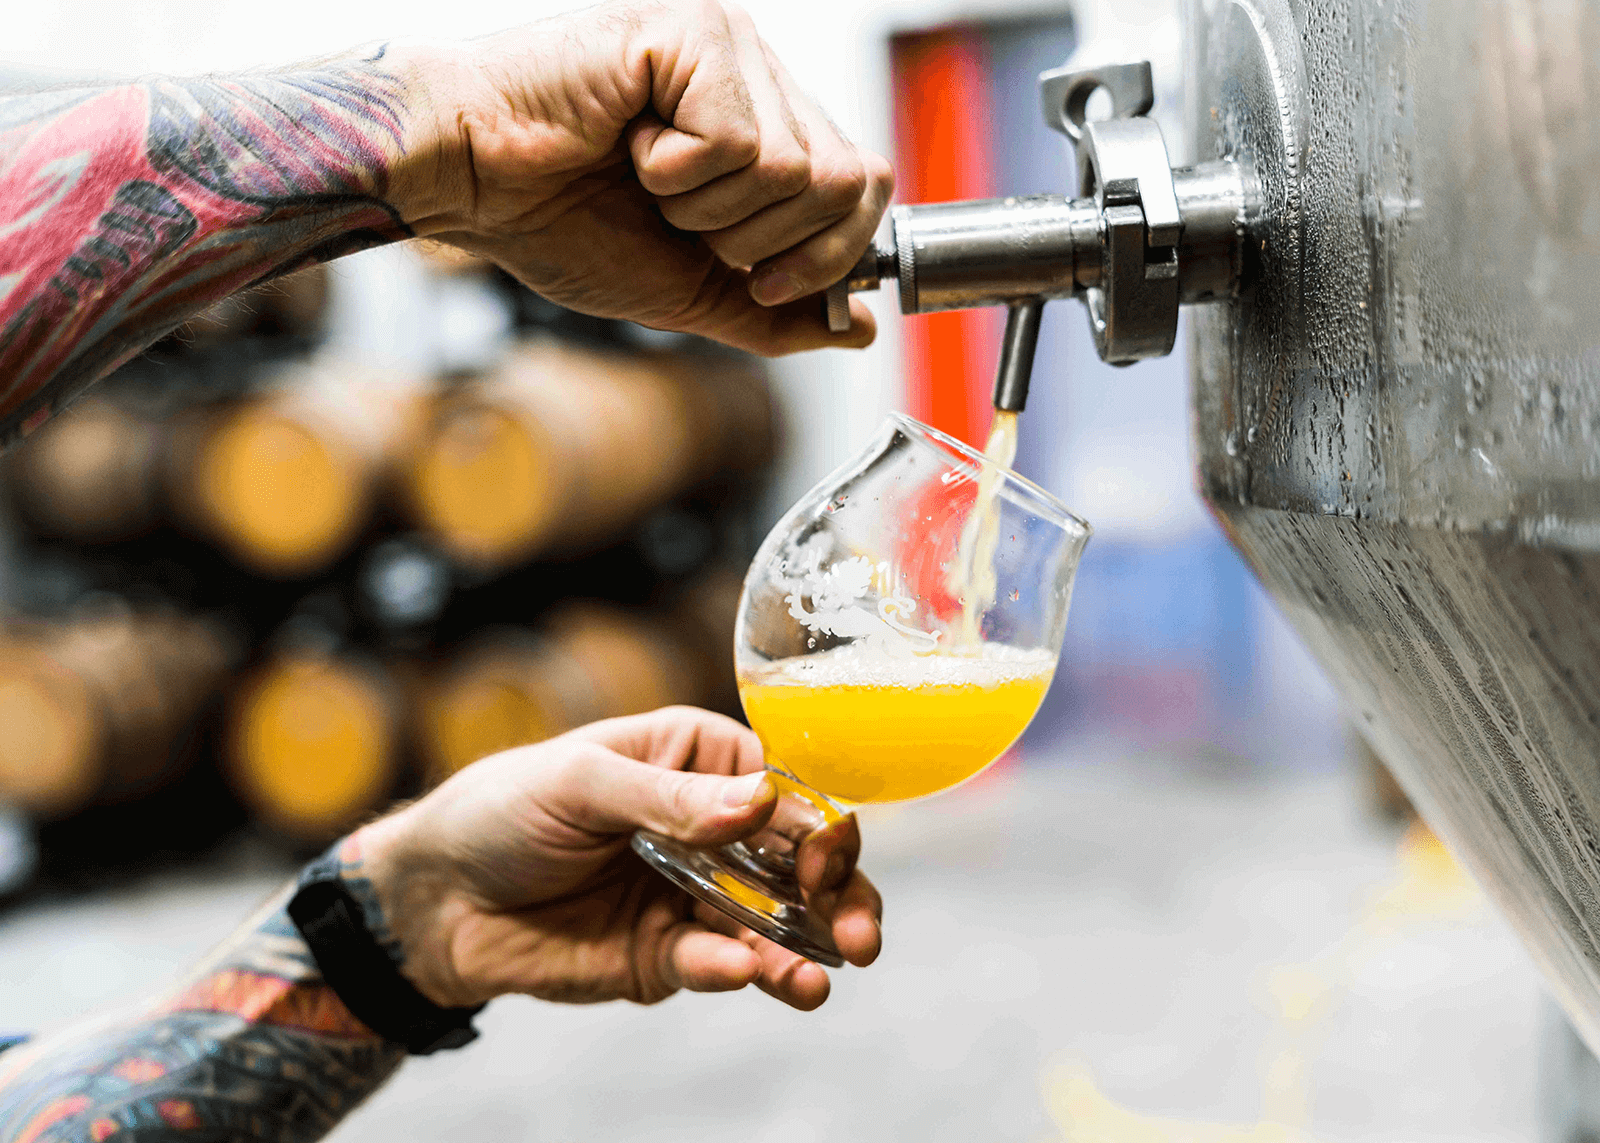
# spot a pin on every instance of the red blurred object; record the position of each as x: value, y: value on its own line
x: 930, y: 528
x: 942, y: 124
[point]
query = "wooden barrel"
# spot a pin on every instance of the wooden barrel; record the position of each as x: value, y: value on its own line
x: 312, y: 743
x: 626, y: 663
x: 91, y: 474
x: 563, y: 447
x: 102, y: 709
x: 52, y: 736
x: 511, y: 688
x: 285, y: 481
x: 508, y: 689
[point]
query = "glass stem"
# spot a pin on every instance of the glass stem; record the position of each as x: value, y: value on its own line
x: 800, y: 812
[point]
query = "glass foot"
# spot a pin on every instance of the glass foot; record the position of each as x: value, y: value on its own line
x: 732, y: 880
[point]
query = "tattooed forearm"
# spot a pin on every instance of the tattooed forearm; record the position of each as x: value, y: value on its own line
x: 253, y: 1047
x: 126, y: 210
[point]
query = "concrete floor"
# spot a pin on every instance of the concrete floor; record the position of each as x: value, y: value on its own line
x: 1100, y: 952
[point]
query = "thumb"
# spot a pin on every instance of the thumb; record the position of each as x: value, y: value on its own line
x: 609, y: 793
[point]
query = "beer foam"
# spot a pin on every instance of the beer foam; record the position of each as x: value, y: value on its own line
x: 857, y: 665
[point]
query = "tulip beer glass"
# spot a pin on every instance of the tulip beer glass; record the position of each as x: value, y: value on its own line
x: 897, y: 632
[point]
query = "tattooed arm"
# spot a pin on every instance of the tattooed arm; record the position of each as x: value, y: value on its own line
x: 643, y: 160
x: 126, y: 210
x: 254, y: 1047
x: 514, y: 876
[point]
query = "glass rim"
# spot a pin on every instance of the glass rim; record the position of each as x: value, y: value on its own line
x: 1050, y: 506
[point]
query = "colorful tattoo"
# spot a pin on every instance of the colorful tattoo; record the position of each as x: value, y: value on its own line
x: 126, y: 210
x: 123, y: 212
x: 253, y: 1047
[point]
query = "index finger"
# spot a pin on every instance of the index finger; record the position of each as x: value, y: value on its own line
x: 680, y: 738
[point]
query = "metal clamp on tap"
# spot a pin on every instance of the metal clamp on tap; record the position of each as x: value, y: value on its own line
x: 1140, y: 239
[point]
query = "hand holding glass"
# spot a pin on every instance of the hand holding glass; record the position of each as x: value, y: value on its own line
x: 870, y: 666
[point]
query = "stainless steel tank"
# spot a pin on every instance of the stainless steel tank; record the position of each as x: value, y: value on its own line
x: 1398, y: 420
x: 1390, y: 235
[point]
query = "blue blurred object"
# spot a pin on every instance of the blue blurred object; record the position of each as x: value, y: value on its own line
x: 1161, y: 641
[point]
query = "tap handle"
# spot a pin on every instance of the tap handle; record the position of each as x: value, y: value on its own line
x: 836, y: 298
x: 878, y: 263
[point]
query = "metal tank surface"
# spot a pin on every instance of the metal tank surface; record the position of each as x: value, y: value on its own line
x: 1398, y: 420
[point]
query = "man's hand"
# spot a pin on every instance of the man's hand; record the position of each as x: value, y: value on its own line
x: 651, y: 161
x: 516, y: 875
x: 642, y: 159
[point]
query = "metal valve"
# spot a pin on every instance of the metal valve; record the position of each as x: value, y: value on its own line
x: 1140, y: 239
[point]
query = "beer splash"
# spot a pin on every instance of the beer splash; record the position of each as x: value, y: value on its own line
x: 973, y: 579
x: 1428, y: 889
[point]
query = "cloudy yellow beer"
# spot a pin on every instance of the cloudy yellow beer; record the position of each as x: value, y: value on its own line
x: 861, y: 728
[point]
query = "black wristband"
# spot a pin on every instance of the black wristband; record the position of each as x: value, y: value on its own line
x: 362, y: 973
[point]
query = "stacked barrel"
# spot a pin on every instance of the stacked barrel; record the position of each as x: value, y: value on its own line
x: 291, y: 596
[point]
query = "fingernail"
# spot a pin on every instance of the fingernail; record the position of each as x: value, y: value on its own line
x: 747, y: 791
x: 774, y: 288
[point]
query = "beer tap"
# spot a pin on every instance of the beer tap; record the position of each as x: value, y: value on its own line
x: 1140, y: 239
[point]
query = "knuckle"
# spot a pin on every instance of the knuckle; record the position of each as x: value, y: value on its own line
x: 677, y: 791
x: 679, y: 213
x: 832, y: 260
x: 879, y: 176
x: 787, y: 174
x: 704, y: 13
x: 843, y: 189
x: 737, y: 145
x: 568, y: 770
x: 726, y: 248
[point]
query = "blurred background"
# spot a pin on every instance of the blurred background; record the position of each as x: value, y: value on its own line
x: 339, y: 538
